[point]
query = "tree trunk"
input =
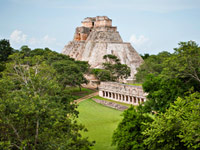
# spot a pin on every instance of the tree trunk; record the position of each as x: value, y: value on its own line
x: 80, y: 87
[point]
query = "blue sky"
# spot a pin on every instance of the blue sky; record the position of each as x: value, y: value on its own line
x: 151, y: 26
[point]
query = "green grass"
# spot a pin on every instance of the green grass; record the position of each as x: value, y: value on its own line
x: 105, y: 99
x: 100, y: 121
x: 75, y: 91
x: 136, y: 84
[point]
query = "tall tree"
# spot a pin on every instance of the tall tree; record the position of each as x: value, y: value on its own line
x: 145, y: 56
x: 185, y: 62
x: 35, y: 112
x: 103, y: 75
x: 70, y: 73
x: 118, y: 70
x: 5, y: 50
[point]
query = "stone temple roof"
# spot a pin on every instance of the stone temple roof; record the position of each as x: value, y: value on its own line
x: 89, y: 19
x: 102, y: 18
x: 97, y: 18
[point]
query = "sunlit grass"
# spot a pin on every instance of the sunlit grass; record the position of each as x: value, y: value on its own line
x: 100, y: 121
x: 135, y: 84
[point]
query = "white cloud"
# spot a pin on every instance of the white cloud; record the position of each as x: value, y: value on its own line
x: 138, y: 41
x: 18, y: 36
x: 48, y: 40
x: 44, y: 41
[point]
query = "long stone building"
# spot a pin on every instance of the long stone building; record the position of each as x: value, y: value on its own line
x: 122, y: 92
x: 96, y: 38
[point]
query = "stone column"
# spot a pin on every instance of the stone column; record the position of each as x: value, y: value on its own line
x: 131, y: 100
x: 101, y: 93
x: 117, y: 98
x: 127, y: 99
x: 134, y: 100
x: 113, y: 95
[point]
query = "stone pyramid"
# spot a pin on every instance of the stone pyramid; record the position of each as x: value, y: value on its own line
x: 96, y: 38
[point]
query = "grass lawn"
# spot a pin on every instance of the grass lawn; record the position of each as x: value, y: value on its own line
x: 100, y: 121
x: 136, y: 84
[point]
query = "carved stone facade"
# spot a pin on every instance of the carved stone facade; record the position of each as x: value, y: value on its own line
x: 122, y: 92
x: 96, y: 38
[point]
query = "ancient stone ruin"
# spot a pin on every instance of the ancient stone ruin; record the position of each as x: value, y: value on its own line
x: 96, y: 38
x: 122, y: 93
x: 110, y: 104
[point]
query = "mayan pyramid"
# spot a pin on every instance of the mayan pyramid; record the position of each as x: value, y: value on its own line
x: 96, y: 38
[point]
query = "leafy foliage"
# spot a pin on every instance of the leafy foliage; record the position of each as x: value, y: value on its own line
x: 118, y: 70
x: 145, y: 56
x: 178, y: 128
x: 103, y: 75
x: 69, y: 73
x: 167, y: 78
x: 128, y: 135
x: 162, y: 92
x: 178, y: 73
x: 153, y: 64
x: 5, y: 50
x: 184, y: 63
x: 36, y: 111
x: 113, y: 69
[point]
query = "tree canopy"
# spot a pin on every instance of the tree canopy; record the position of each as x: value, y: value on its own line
x: 172, y: 84
x: 128, y: 135
x: 177, y: 128
x: 112, y: 70
x: 153, y: 64
x: 5, y: 50
x: 36, y: 110
x: 176, y: 74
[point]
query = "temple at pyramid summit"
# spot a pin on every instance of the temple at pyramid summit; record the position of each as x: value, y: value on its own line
x: 96, y: 38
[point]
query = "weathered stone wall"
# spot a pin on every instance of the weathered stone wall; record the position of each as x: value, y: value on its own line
x: 122, y: 92
x: 87, y: 24
x: 106, y: 29
x: 111, y: 104
x: 99, y: 21
x: 103, y: 23
x: 81, y: 33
